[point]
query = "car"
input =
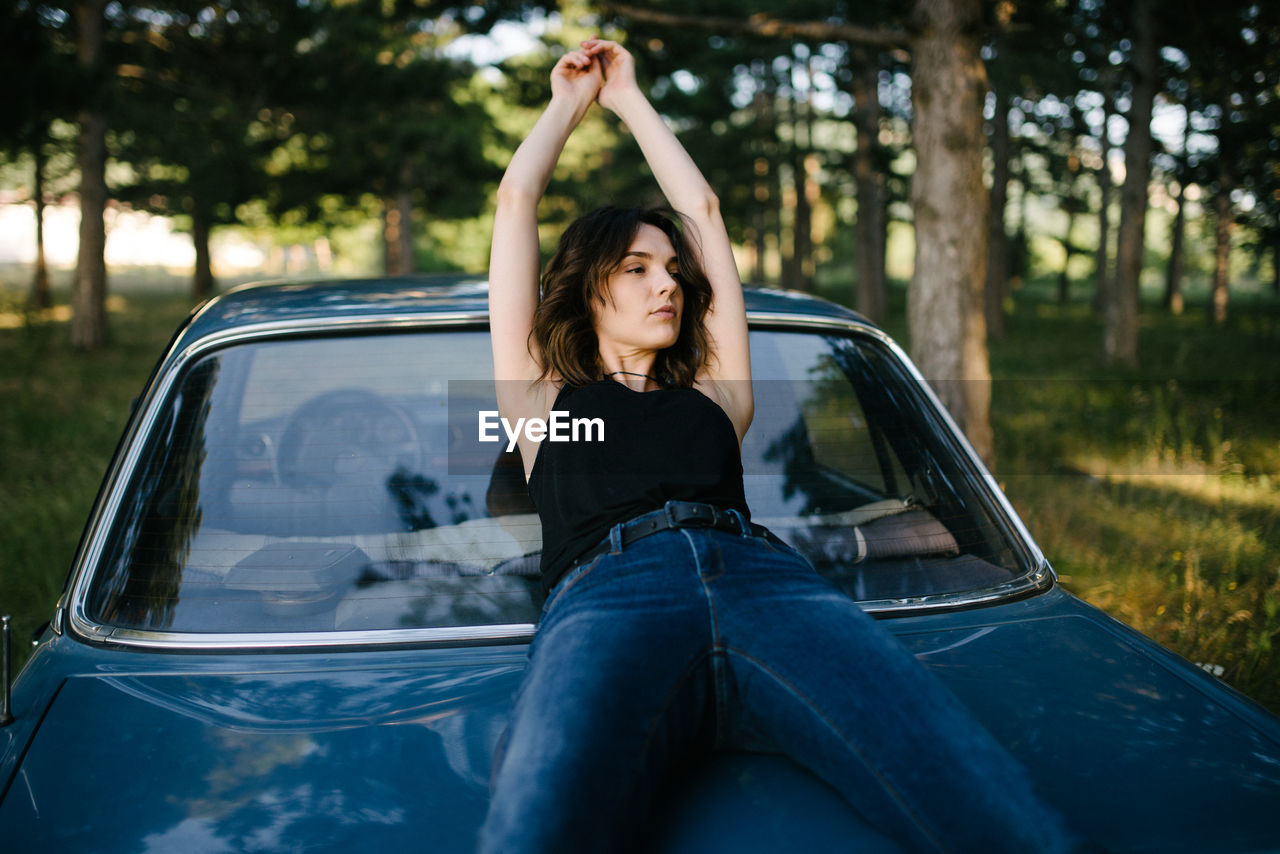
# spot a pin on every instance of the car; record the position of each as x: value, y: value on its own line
x: 302, y: 602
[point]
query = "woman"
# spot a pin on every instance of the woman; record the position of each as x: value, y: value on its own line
x: 672, y: 624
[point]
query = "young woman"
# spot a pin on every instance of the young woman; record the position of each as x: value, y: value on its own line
x: 672, y: 624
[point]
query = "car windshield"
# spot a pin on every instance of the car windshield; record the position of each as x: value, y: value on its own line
x: 339, y: 483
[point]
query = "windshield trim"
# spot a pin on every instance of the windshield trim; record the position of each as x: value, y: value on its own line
x: 149, y: 410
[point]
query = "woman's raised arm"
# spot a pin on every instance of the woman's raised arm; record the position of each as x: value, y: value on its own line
x: 514, y: 258
x: 729, y: 371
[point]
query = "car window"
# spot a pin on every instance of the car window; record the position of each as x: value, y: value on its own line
x: 338, y: 483
x: 845, y: 462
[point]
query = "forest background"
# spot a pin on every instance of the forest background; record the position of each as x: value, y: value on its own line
x: 1073, y: 205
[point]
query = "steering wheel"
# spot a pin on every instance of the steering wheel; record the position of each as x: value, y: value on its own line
x: 346, y: 437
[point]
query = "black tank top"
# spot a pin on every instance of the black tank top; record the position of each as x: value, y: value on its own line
x: 657, y: 446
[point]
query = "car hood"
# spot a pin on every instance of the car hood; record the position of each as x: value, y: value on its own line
x: 321, y: 752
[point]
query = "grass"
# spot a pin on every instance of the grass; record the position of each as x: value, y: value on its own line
x: 1155, y: 492
x: 61, y: 417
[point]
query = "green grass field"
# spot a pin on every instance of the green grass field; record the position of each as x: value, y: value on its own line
x: 1155, y: 493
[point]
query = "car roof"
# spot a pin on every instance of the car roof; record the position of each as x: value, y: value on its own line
x: 425, y: 297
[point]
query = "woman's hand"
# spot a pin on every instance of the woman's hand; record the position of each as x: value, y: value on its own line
x: 618, y: 68
x: 576, y: 77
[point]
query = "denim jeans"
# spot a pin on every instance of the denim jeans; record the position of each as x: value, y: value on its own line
x: 697, y: 638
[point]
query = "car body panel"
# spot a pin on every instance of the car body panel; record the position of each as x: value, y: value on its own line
x: 137, y: 749
x: 128, y: 741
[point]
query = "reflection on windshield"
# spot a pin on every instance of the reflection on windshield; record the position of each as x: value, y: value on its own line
x: 315, y: 485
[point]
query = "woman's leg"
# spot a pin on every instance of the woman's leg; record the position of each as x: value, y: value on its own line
x: 614, y: 694
x: 815, y: 676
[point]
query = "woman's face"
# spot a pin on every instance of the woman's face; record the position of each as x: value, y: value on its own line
x: 643, y: 300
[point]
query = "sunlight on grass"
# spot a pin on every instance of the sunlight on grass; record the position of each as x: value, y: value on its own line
x: 13, y: 319
x: 1187, y: 479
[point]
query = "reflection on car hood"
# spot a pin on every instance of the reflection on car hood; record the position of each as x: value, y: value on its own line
x: 394, y: 748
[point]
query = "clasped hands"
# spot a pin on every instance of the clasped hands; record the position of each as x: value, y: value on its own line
x: 599, y: 70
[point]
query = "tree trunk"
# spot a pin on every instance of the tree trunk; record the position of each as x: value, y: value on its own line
x: 763, y: 109
x: 89, y: 296
x: 41, y: 297
x: 1064, y: 275
x: 997, y: 237
x: 869, y: 232
x: 1120, y: 334
x: 397, y: 234
x: 202, y: 283
x: 1275, y: 268
x: 1020, y: 248
x: 1173, y: 300
x: 1102, y: 268
x: 1221, y: 251
x: 805, y: 187
x: 759, y: 222
x: 945, y: 301
x: 757, y: 243
x: 791, y: 197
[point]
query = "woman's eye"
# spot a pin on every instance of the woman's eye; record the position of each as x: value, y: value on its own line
x: 636, y: 270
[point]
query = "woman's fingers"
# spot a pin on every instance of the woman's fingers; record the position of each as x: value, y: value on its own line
x: 606, y: 51
x: 577, y: 59
x: 616, y: 66
x: 577, y: 74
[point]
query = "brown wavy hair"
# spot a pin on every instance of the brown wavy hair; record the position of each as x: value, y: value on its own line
x: 590, y: 249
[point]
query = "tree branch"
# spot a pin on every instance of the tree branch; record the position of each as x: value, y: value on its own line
x: 762, y: 24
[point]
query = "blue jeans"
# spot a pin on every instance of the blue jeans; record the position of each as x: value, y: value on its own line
x: 695, y: 638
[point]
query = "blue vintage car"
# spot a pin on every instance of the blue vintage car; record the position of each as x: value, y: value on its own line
x: 301, y: 605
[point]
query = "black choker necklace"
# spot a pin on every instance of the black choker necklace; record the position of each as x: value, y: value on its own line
x: 633, y: 374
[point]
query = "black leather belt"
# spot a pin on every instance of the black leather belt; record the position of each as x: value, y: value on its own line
x: 677, y: 514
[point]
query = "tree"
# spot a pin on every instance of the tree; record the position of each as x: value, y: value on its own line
x: 1181, y: 173
x: 947, y: 326
x: 1235, y: 75
x: 945, y: 303
x: 1120, y: 317
x: 89, y: 295
x: 295, y: 105
x: 871, y: 226
x: 195, y: 120
x: 997, y: 276
x: 31, y: 51
x: 1022, y: 46
x: 1259, y: 151
x: 381, y: 111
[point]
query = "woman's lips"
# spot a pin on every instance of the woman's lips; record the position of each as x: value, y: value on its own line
x: 665, y: 311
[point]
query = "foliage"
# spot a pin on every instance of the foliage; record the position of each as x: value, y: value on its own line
x: 230, y: 107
